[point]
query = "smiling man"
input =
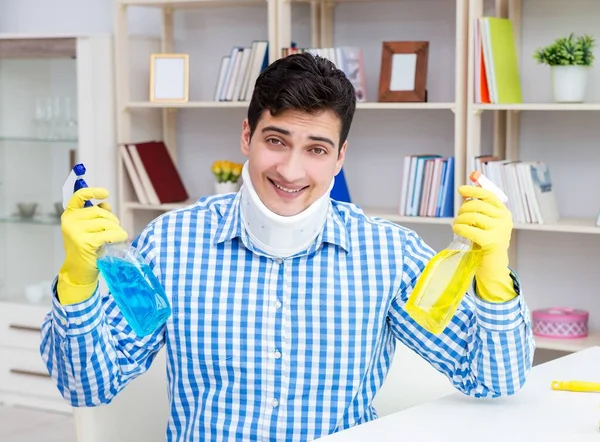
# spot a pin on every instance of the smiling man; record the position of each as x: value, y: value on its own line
x: 286, y: 304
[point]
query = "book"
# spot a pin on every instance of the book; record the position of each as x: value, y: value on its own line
x: 427, y: 186
x: 157, y: 172
x: 133, y: 174
x: 501, y: 61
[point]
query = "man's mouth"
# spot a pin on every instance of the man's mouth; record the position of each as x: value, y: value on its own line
x: 286, y: 189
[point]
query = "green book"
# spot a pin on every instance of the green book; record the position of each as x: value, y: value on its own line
x: 501, y: 61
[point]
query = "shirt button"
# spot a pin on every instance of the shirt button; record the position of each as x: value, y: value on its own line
x: 274, y: 403
x: 64, y: 322
x: 78, y: 322
x: 65, y: 358
x: 278, y: 304
x: 279, y: 261
x: 277, y: 354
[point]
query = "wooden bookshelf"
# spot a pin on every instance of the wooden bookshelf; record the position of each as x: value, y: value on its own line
x: 468, y: 115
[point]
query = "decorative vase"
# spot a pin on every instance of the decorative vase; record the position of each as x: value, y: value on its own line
x: 569, y: 83
x: 226, y: 187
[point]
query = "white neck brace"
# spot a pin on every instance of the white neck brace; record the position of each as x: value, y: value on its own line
x: 278, y: 235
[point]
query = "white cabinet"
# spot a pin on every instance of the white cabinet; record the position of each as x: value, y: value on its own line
x: 56, y: 109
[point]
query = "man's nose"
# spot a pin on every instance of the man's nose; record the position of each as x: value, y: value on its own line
x: 292, y: 168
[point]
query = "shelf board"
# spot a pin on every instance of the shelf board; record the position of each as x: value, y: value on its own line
x: 389, y: 215
x: 244, y: 105
x: 569, y: 345
x: 540, y: 107
x: 17, y: 139
x: 381, y: 213
x: 350, y: 1
x: 160, y: 207
x: 188, y: 105
x: 178, y: 4
x: 181, y: 4
x: 566, y: 225
x: 40, y: 220
x: 405, y: 106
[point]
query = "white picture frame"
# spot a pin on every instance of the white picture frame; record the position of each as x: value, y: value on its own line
x: 169, y: 78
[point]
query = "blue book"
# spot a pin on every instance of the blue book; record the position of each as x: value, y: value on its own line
x: 340, y: 188
x: 447, y: 209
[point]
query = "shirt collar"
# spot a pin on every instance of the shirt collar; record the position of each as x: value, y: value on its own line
x: 230, y: 226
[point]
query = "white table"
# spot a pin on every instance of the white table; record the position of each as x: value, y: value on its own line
x: 535, y: 413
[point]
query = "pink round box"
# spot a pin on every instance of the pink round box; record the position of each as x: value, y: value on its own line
x: 560, y: 322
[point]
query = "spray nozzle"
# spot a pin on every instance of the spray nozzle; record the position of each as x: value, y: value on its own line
x: 79, y: 169
x: 74, y: 182
x: 479, y: 179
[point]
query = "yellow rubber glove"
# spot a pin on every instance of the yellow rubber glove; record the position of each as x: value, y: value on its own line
x: 84, y: 230
x: 487, y: 222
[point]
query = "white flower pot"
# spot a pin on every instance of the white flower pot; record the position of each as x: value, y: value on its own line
x: 569, y: 83
x: 226, y: 187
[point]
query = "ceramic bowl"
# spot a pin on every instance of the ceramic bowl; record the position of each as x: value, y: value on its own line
x: 26, y: 210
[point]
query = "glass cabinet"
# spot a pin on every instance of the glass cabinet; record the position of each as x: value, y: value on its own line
x: 56, y: 109
x: 38, y: 146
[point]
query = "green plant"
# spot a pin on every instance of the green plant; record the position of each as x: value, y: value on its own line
x: 567, y: 51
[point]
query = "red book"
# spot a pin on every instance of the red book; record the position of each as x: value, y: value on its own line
x: 160, y: 171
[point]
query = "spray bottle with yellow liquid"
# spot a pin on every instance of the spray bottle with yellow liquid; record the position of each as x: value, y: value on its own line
x: 448, y: 275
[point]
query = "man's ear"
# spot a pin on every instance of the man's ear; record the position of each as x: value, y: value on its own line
x: 245, y: 140
x: 341, y: 157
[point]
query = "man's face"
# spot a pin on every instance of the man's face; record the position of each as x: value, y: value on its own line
x: 293, y: 158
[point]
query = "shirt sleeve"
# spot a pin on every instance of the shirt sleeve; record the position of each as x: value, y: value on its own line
x: 89, y: 349
x: 486, y: 350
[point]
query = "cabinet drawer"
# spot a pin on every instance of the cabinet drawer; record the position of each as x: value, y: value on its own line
x: 20, y: 325
x: 23, y: 372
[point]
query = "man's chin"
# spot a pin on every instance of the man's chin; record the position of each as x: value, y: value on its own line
x: 285, y: 208
x: 287, y: 211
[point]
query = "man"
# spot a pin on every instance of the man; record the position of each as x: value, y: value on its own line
x: 286, y: 304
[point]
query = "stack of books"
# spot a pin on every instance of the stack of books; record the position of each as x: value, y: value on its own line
x: 497, y: 78
x: 239, y: 70
x: 528, y: 185
x: 427, y: 186
x: 348, y: 59
x: 152, y: 173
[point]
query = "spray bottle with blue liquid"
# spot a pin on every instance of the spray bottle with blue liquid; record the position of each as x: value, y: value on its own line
x: 136, y: 290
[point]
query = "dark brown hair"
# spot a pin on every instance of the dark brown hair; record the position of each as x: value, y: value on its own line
x: 303, y: 82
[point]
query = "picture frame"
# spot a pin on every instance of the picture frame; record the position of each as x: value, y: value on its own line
x: 403, y: 74
x: 169, y: 78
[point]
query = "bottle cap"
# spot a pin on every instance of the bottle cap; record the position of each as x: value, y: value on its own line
x: 79, y: 169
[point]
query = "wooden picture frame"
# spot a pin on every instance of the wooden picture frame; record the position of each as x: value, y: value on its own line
x: 169, y: 78
x: 403, y: 75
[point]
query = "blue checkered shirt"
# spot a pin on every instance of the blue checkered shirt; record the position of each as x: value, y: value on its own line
x: 269, y: 349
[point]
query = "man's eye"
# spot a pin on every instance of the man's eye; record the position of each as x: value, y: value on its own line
x: 319, y: 150
x: 273, y: 141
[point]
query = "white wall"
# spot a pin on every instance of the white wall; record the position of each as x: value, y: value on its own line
x: 556, y: 269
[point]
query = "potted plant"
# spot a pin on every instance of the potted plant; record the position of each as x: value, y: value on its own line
x: 227, y: 174
x: 570, y: 60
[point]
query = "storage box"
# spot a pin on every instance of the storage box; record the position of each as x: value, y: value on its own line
x: 560, y: 322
